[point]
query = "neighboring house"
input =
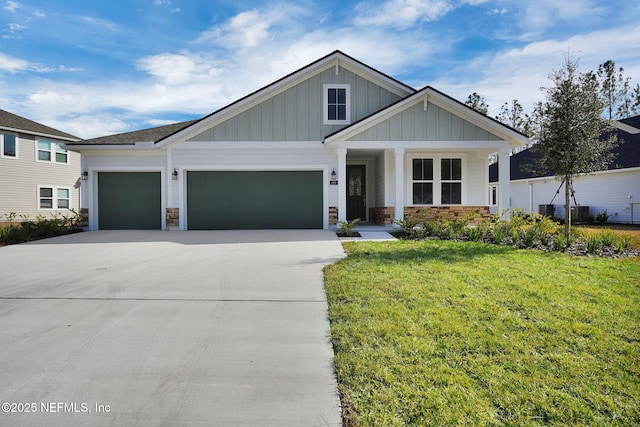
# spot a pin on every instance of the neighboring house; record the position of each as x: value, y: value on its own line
x: 615, y: 190
x: 335, y: 140
x: 38, y: 176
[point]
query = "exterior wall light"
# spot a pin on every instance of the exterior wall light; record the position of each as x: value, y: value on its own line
x: 174, y: 175
x: 85, y: 175
x: 334, y: 178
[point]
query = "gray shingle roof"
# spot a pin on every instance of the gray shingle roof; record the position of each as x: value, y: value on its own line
x: 144, y: 135
x: 14, y: 122
x: 627, y: 155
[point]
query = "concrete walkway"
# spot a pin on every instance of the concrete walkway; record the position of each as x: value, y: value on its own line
x: 168, y: 328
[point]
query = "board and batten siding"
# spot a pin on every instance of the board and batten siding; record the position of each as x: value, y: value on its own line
x: 20, y: 178
x: 297, y: 113
x: 607, y: 190
x: 416, y: 124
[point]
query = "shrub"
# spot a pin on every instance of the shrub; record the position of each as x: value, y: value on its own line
x: 347, y: 227
x: 594, y: 244
x: 622, y: 243
x: 608, y: 238
x: 26, y: 230
x: 602, y: 217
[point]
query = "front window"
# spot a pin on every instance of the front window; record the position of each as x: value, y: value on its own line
x: 53, y: 198
x: 451, y: 176
x: 337, y: 108
x: 422, y: 181
x: 437, y: 181
x: 8, y: 145
x: 51, y: 151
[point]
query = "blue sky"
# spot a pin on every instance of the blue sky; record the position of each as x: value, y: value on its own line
x: 92, y: 68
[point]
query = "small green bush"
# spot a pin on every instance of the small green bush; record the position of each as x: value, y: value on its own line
x: 26, y: 229
x: 602, y: 217
x: 347, y: 227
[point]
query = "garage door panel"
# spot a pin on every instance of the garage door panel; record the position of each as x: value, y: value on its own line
x: 254, y: 199
x: 129, y: 201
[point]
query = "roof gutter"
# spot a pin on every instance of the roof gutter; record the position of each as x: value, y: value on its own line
x: 46, y: 135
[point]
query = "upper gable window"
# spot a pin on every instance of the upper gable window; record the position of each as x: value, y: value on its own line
x: 337, y: 104
x: 8, y: 145
x: 51, y: 151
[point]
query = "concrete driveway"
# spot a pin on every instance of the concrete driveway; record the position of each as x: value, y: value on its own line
x: 168, y: 328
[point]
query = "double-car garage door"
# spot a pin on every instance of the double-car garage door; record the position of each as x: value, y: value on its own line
x: 216, y: 200
x: 232, y: 200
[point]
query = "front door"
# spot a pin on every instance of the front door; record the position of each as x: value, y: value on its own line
x: 356, y: 193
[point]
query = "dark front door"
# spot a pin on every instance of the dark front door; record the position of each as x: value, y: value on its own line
x: 356, y: 193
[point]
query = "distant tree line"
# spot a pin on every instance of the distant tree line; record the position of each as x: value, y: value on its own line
x: 572, y: 130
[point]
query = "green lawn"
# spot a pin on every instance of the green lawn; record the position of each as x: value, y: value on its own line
x: 458, y: 333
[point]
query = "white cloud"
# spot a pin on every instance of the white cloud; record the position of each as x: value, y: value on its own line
x: 253, y: 27
x: 39, y: 14
x: 519, y: 73
x: 12, y: 6
x: 179, y: 69
x: 10, y: 64
x: 541, y: 15
x: 254, y: 48
x: 402, y: 13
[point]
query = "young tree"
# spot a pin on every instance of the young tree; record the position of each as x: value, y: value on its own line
x: 635, y: 100
x: 573, y: 138
x: 477, y: 102
x: 624, y: 110
x: 513, y: 115
x: 613, y: 87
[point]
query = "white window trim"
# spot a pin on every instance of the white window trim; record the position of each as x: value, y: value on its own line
x: 492, y: 202
x: 52, y: 151
x: 2, y: 155
x: 325, y: 103
x: 437, y: 176
x: 54, y: 196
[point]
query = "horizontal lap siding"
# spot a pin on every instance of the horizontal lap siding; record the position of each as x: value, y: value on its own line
x: 476, y: 180
x: 608, y: 190
x: 22, y: 176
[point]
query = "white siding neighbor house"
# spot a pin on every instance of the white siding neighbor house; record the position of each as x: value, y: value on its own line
x: 38, y: 176
x: 615, y: 190
x: 335, y: 140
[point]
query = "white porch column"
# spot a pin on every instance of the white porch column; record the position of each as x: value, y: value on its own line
x: 399, y: 166
x: 342, y: 184
x: 504, y: 180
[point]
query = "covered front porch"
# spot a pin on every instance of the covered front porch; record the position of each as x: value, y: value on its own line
x: 382, y: 184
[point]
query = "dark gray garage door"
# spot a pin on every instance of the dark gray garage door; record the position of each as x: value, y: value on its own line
x: 129, y: 201
x: 233, y: 200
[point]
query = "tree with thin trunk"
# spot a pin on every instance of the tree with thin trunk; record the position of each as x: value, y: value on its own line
x: 635, y: 99
x: 514, y: 116
x: 573, y: 138
x: 478, y: 103
x: 613, y: 87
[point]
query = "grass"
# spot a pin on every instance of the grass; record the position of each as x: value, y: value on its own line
x: 460, y: 333
x: 633, y: 232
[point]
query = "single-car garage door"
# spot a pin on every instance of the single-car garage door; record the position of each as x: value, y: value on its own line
x: 129, y: 201
x: 233, y: 200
